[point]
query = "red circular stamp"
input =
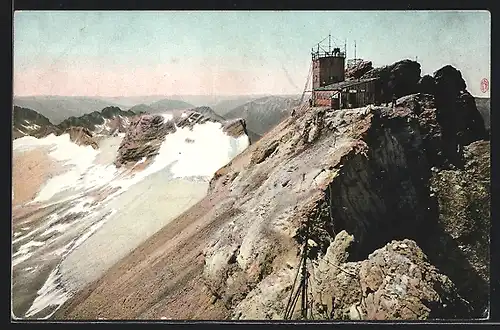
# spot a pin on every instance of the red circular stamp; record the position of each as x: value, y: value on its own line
x: 484, y: 85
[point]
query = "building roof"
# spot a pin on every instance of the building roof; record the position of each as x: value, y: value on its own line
x: 344, y: 84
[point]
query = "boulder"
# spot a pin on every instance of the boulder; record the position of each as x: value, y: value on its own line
x: 358, y: 70
x: 399, y: 79
x: 394, y: 282
x: 426, y: 85
x: 459, y: 118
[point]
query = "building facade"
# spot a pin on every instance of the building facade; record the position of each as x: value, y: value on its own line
x: 348, y: 94
x: 329, y: 87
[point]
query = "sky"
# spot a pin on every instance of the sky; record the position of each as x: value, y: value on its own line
x: 136, y: 53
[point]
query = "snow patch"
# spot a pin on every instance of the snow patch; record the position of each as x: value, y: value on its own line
x: 59, y: 228
x: 50, y: 294
x: 167, y: 116
x: 31, y: 127
x: 22, y: 258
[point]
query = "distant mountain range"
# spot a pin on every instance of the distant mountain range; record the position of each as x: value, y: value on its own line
x: 167, y: 104
x: 29, y: 122
x: 260, y: 113
x: 483, y: 105
x: 263, y: 114
x: 139, y: 108
x: 58, y: 108
x: 224, y: 106
x: 107, y: 121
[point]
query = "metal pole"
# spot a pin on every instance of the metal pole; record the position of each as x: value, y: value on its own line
x: 355, y: 51
x: 329, y: 43
x: 304, y: 288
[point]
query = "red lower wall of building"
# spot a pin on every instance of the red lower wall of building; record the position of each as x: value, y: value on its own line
x: 322, y: 98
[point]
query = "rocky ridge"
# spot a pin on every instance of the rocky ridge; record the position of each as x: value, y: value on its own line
x: 393, y: 151
x: 365, y: 198
x: 352, y: 194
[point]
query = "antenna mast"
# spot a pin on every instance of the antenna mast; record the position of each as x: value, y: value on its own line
x: 355, y: 58
x: 329, y: 43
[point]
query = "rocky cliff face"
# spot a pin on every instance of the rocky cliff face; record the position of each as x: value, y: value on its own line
x: 143, y: 139
x: 82, y: 136
x: 463, y: 223
x: 373, y: 181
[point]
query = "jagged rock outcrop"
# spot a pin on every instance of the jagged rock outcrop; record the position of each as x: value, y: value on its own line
x: 143, y: 139
x: 395, y: 282
x: 457, y: 108
x: 82, y: 136
x: 400, y: 78
x: 457, y: 114
x: 29, y: 122
x: 358, y: 70
x: 459, y: 120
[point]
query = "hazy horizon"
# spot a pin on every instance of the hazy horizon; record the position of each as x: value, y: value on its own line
x: 240, y: 53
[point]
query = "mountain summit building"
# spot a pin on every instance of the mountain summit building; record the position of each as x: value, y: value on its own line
x: 331, y: 89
